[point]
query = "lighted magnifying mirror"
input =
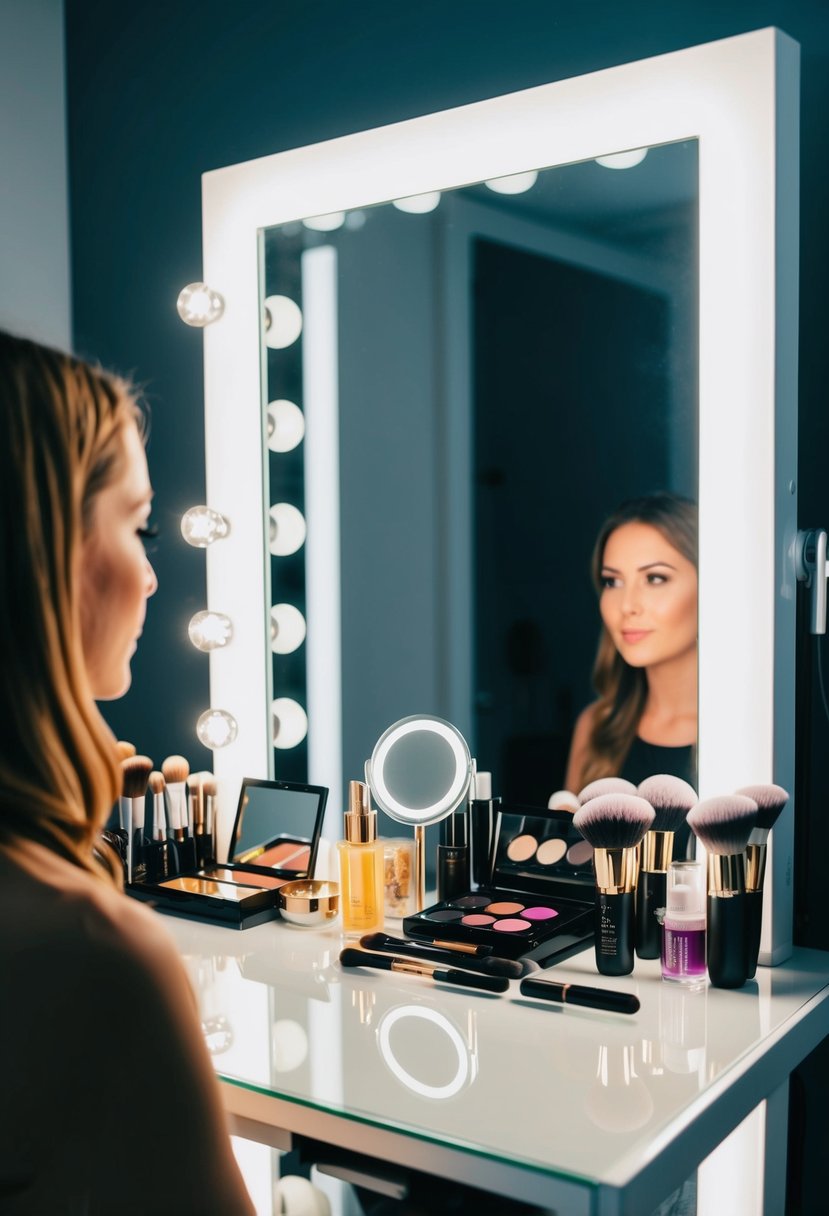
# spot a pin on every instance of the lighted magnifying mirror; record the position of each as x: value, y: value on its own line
x: 419, y: 773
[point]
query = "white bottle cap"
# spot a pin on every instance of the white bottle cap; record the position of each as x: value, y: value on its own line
x: 483, y: 786
x: 686, y: 888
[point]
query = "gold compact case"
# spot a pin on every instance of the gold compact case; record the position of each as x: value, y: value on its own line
x: 309, y: 901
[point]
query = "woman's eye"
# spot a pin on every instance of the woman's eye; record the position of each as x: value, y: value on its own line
x: 656, y: 580
x: 608, y: 580
x: 148, y: 533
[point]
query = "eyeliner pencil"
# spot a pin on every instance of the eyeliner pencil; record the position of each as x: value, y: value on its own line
x: 579, y: 994
x: 351, y: 957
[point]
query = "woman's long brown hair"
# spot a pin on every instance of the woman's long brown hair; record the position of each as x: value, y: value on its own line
x: 623, y: 689
x: 60, y: 427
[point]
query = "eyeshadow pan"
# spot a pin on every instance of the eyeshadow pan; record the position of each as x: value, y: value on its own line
x: 579, y: 853
x: 511, y: 926
x: 471, y: 901
x: 551, y: 851
x: 504, y: 909
x: 539, y: 913
x: 445, y: 914
x: 521, y: 848
x: 478, y: 918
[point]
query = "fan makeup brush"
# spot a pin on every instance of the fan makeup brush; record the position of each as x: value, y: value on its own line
x: 723, y: 825
x: 671, y: 799
x: 135, y: 773
x: 605, y: 785
x: 770, y: 799
x: 614, y: 824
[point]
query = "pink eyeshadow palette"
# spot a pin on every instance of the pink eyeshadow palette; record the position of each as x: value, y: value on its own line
x: 538, y: 902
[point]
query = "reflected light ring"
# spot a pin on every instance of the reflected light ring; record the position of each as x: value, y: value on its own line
x: 439, y: 1092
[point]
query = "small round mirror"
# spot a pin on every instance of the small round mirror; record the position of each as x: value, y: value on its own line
x: 420, y: 770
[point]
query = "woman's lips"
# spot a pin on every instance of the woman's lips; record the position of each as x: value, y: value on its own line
x: 632, y: 636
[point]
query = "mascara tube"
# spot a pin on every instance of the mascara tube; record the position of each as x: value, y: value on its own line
x: 616, y: 874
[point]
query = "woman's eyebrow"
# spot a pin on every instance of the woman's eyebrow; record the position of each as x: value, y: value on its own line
x: 651, y: 565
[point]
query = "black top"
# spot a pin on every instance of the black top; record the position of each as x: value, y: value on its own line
x: 649, y: 759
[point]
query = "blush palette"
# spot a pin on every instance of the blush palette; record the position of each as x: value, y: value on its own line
x: 538, y: 900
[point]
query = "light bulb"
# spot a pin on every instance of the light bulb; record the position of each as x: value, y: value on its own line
x: 210, y: 630
x: 287, y: 529
x: 283, y: 322
x: 200, y: 526
x: 325, y: 223
x: 418, y: 204
x: 623, y: 160
x: 516, y: 183
x: 198, y: 305
x: 216, y: 728
x: 286, y: 426
x: 355, y: 220
x: 287, y: 628
x: 290, y: 723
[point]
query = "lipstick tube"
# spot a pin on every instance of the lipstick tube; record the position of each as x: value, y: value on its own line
x: 728, y: 963
x: 616, y: 873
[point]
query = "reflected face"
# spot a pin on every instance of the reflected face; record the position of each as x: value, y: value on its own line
x: 115, y: 577
x: 649, y: 596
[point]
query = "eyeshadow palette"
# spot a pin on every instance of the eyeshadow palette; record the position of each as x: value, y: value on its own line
x: 538, y: 900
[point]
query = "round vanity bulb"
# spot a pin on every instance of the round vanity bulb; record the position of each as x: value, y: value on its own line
x: 287, y: 628
x: 418, y: 204
x: 283, y: 322
x: 200, y: 526
x: 290, y: 723
x: 210, y: 630
x: 623, y: 160
x: 325, y: 223
x: 216, y: 728
x: 286, y: 425
x: 287, y: 529
x: 516, y: 183
x: 355, y: 220
x: 198, y: 305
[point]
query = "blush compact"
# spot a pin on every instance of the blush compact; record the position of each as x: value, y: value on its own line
x: 537, y: 902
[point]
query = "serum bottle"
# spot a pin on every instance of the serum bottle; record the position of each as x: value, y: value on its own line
x: 683, y: 926
x: 361, y: 865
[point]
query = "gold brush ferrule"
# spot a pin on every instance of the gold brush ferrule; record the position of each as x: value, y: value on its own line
x: 755, y: 866
x: 402, y: 964
x: 657, y: 852
x: 616, y: 870
x: 726, y: 874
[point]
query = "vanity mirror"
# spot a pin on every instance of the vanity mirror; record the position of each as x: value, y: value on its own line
x: 736, y: 102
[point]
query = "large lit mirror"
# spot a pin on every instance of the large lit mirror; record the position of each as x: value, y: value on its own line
x: 392, y: 402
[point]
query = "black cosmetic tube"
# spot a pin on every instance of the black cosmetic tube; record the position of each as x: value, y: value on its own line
x: 728, y: 963
x: 614, y: 933
x: 483, y: 811
x: 650, y: 894
x: 754, y: 926
x: 579, y: 994
x: 453, y: 857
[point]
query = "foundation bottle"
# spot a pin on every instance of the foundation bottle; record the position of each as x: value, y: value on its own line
x: 361, y: 865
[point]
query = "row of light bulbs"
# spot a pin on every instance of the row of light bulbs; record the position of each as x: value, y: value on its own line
x: 198, y: 305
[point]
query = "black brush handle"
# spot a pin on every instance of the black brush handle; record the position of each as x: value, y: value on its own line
x: 467, y: 979
x: 727, y: 941
x: 580, y: 994
x: 650, y: 895
x: 614, y: 933
x: 754, y: 925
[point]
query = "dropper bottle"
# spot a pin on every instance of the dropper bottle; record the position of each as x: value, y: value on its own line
x: 361, y: 865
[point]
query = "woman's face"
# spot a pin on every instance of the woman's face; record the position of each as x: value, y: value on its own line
x: 649, y: 596
x: 115, y: 576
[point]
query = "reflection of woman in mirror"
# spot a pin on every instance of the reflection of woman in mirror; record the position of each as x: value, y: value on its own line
x: 645, y: 719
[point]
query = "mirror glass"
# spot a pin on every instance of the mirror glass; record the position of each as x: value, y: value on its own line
x: 419, y: 770
x: 278, y: 825
x: 512, y: 360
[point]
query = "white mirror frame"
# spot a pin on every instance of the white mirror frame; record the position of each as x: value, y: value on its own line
x: 739, y: 98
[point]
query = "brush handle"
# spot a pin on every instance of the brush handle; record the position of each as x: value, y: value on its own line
x: 614, y: 933
x: 754, y: 925
x: 467, y: 979
x: 650, y: 895
x: 727, y: 941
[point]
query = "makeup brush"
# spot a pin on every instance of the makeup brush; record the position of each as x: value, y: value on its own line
x: 770, y: 799
x: 563, y: 800
x: 135, y: 773
x: 671, y: 799
x: 176, y: 770
x: 511, y: 968
x: 614, y: 824
x: 350, y: 957
x: 724, y: 826
x: 209, y: 794
x: 124, y: 749
x: 158, y: 853
x: 605, y: 785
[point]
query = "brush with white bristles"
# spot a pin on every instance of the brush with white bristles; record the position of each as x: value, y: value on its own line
x: 614, y: 824
x: 723, y: 825
x: 135, y: 773
x: 770, y: 799
x: 671, y: 799
x: 563, y: 800
x: 605, y: 785
x: 209, y: 792
x: 176, y: 770
x: 158, y: 863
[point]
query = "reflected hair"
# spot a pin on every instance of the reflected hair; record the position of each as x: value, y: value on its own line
x: 623, y: 689
x: 61, y: 422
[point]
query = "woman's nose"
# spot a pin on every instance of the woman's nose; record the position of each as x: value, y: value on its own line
x: 152, y: 581
x: 631, y: 602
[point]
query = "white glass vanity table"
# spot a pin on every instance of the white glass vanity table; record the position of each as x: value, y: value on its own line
x: 574, y: 1110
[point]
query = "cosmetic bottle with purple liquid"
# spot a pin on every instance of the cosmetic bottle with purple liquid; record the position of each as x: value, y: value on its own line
x: 683, y: 925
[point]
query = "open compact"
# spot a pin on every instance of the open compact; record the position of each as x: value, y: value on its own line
x: 538, y: 900
x: 274, y: 841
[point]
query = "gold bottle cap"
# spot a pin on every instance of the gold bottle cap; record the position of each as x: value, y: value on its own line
x: 360, y: 819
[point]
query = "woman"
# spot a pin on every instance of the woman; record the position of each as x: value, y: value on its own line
x: 109, y: 1100
x: 645, y: 720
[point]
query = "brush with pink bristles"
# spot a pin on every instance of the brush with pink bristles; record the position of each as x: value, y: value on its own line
x: 614, y: 824
x: 723, y: 825
x: 671, y: 799
x: 605, y: 785
x: 770, y: 799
